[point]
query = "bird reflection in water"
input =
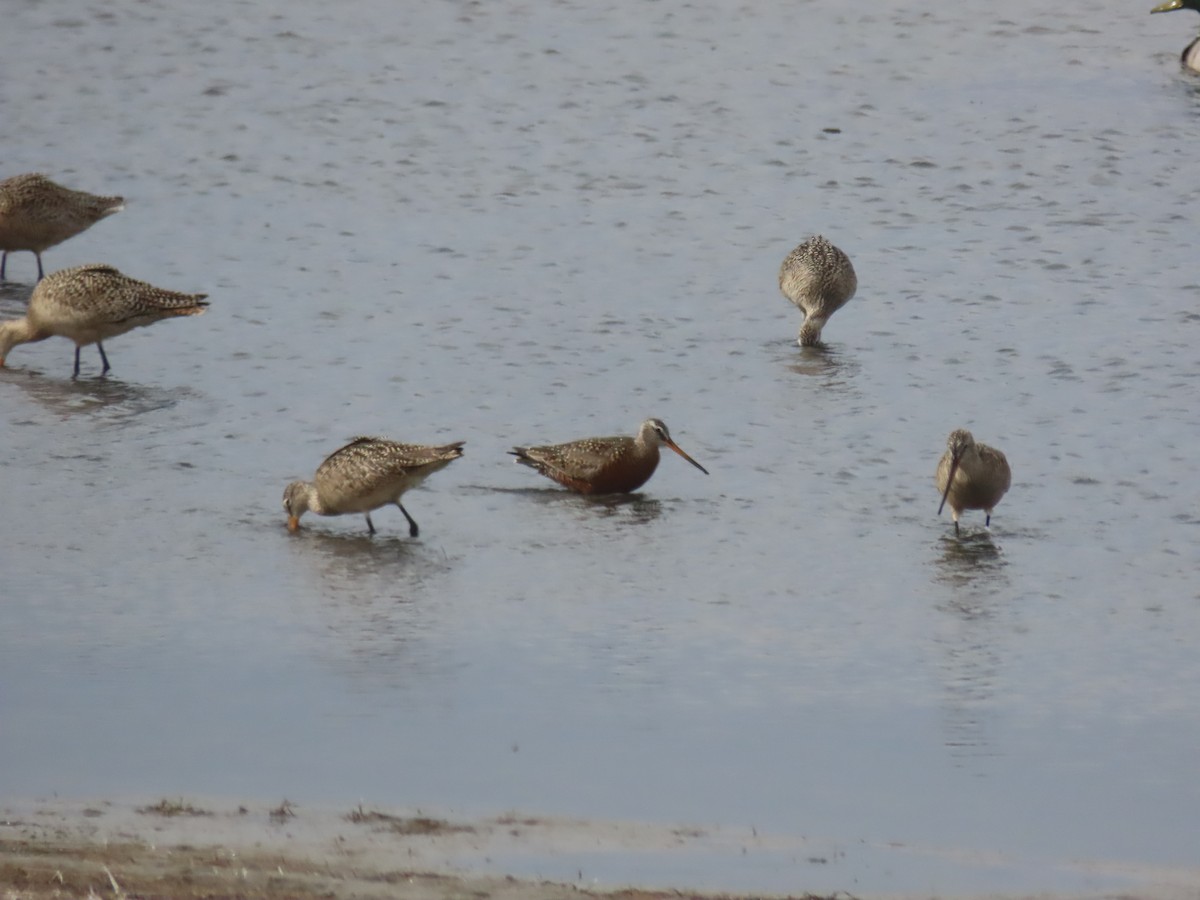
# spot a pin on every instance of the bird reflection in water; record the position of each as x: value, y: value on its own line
x: 110, y: 401
x: 636, y: 508
x: 353, y: 559
x: 832, y: 369
x: 970, y: 635
x: 971, y: 559
x: 377, y: 599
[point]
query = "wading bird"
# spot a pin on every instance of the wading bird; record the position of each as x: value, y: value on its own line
x: 971, y: 476
x: 1190, y: 58
x: 90, y: 304
x: 604, y: 465
x: 367, y: 473
x: 36, y: 214
x: 818, y: 278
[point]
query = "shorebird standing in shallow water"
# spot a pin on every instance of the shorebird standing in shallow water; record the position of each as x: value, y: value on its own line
x: 367, y: 473
x: 818, y: 278
x: 90, y: 304
x: 971, y: 476
x: 1190, y: 58
x: 604, y: 465
x: 36, y: 213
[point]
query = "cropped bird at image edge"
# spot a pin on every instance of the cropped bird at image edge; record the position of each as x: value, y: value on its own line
x: 36, y: 214
x: 89, y: 304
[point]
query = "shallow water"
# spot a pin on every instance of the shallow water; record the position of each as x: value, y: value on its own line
x: 512, y: 224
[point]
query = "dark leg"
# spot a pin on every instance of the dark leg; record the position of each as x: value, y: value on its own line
x: 75, y: 374
x: 3, y: 264
x: 987, y: 523
x: 956, y: 526
x: 370, y: 524
x: 41, y: 274
x: 103, y: 371
x: 413, y: 530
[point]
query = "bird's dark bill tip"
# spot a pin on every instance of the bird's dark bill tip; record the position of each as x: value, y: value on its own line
x: 678, y: 450
x: 949, y: 484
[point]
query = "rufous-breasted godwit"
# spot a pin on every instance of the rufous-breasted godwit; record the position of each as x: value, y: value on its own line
x: 604, y: 465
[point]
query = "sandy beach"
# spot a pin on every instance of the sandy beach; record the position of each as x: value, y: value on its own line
x: 181, y: 848
x: 175, y: 848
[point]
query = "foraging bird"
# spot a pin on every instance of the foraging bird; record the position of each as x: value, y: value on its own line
x: 367, y: 473
x: 971, y: 476
x: 90, y: 304
x: 604, y: 465
x: 1190, y: 58
x: 36, y: 213
x: 818, y: 278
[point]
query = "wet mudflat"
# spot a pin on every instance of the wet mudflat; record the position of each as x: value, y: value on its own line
x: 514, y: 225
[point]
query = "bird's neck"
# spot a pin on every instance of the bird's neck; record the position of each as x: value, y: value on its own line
x: 18, y: 331
x: 314, y: 499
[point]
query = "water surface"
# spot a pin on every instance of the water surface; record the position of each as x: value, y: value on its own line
x: 510, y: 224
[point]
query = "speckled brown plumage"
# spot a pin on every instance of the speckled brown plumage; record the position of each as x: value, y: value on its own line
x: 819, y: 279
x: 90, y: 304
x: 367, y: 473
x: 971, y: 475
x: 603, y: 465
x: 36, y: 213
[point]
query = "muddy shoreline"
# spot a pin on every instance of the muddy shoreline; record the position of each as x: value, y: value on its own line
x: 181, y: 848
x: 174, y: 848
